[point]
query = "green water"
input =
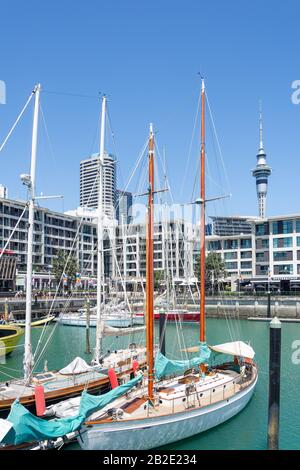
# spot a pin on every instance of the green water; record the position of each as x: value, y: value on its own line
x: 245, y: 431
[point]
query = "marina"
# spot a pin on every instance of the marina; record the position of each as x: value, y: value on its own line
x: 252, y: 420
x: 149, y: 231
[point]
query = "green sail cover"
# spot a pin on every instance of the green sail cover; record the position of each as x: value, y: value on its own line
x: 165, y: 367
x: 28, y: 427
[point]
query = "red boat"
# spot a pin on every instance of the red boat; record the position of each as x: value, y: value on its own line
x: 172, y: 315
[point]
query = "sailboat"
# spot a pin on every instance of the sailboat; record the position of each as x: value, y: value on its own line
x: 71, y: 380
x: 10, y: 335
x: 178, y: 399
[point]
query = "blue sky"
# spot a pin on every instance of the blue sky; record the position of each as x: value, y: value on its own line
x: 145, y: 56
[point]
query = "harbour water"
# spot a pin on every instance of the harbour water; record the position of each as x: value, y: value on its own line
x: 245, y: 431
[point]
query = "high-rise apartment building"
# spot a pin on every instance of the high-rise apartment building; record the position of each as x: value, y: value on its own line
x: 89, y: 170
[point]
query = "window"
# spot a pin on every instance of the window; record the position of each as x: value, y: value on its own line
x: 264, y: 256
x: 246, y: 243
x: 298, y: 241
x: 246, y: 254
x: 230, y: 244
x: 283, y: 242
x: 283, y: 255
x: 230, y: 255
x: 246, y: 265
x: 298, y: 226
x: 232, y: 265
x: 282, y: 226
x: 283, y: 269
x: 262, y: 229
x: 262, y: 269
x: 214, y: 245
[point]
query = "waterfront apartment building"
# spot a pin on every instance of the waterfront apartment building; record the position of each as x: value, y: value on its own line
x: 173, y: 248
x: 269, y: 255
x: 89, y: 169
x: 76, y: 233
x: 53, y: 231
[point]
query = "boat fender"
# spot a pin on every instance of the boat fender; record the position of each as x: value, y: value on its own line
x: 113, y: 378
x: 135, y: 366
x: 40, y: 404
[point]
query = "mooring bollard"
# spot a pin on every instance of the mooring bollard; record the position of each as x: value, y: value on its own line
x: 274, y: 384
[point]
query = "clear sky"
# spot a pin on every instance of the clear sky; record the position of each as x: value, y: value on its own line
x: 145, y: 56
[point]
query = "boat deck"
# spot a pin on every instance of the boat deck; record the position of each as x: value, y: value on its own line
x: 54, y: 381
x: 175, y: 396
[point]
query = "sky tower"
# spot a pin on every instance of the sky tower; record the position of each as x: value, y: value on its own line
x: 261, y: 172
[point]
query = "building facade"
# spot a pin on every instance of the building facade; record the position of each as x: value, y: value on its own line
x: 123, y: 207
x: 270, y: 255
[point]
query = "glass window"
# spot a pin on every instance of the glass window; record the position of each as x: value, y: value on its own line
x: 214, y: 245
x: 282, y: 226
x: 282, y: 255
x: 232, y: 265
x: 298, y: 226
x: 246, y: 243
x: 230, y: 255
x: 230, y: 244
x: 283, y: 269
x: 262, y: 229
x: 298, y: 241
x: 246, y: 254
x: 246, y: 265
x: 283, y: 242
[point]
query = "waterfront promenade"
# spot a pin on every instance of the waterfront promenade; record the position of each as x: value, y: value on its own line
x: 242, y: 306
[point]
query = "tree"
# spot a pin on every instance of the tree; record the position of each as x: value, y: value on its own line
x: 65, y: 265
x: 214, y: 268
x: 158, y: 278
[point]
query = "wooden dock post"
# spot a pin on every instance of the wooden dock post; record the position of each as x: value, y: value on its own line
x: 274, y: 384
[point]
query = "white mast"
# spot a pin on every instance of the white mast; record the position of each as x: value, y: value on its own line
x: 28, y: 357
x: 100, y: 234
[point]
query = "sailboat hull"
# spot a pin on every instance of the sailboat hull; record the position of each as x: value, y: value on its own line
x: 156, y: 432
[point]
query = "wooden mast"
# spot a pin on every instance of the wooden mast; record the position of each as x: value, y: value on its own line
x: 202, y: 222
x: 149, y: 268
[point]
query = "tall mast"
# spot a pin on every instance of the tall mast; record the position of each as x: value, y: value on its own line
x: 202, y: 222
x: 100, y: 234
x: 28, y: 357
x: 149, y: 268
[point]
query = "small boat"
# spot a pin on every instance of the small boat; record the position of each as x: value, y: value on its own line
x: 116, y: 320
x: 40, y: 322
x: 9, y: 337
x: 173, y: 315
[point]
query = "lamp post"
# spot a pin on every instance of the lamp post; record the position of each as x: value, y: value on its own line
x: 269, y: 295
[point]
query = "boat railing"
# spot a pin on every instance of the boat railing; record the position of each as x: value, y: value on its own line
x: 203, y: 399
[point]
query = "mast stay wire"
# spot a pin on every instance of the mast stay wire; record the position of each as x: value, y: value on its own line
x: 17, y: 120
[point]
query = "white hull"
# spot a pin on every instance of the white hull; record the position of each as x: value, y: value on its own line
x: 77, y: 321
x: 156, y: 432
